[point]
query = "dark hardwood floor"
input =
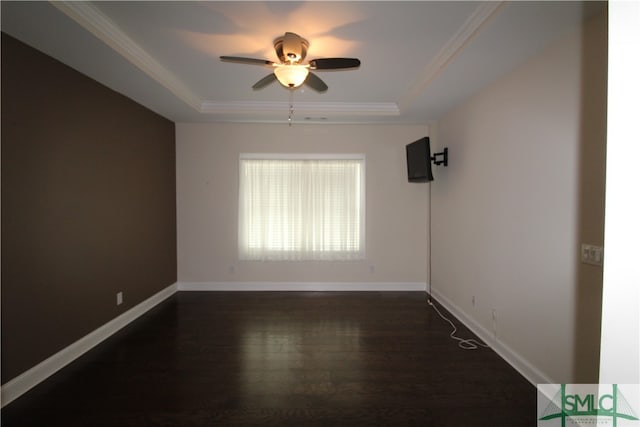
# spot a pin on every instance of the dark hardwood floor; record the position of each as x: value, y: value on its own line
x: 282, y: 359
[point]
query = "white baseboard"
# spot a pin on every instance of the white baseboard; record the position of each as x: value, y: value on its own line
x: 29, y: 379
x: 302, y: 286
x: 519, y: 363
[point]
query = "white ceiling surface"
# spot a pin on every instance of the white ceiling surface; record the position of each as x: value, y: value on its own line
x: 419, y: 59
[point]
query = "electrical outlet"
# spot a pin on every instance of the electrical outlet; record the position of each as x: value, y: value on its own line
x: 119, y: 298
x: 591, y: 254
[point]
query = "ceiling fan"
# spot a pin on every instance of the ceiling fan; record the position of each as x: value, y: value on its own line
x: 291, y: 72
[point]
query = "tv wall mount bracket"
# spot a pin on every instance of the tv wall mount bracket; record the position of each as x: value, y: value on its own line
x: 441, y: 158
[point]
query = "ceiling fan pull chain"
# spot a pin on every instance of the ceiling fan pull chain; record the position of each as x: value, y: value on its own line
x: 290, y: 106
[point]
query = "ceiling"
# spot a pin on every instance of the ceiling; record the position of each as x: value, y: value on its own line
x: 419, y: 58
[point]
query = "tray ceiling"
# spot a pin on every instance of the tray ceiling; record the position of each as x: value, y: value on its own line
x: 419, y: 59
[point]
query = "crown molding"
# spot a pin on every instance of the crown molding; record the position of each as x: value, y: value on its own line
x: 94, y: 21
x: 481, y: 16
x: 315, y: 108
x: 97, y: 23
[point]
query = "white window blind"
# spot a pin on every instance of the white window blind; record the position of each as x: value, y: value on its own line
x: 301, y: 208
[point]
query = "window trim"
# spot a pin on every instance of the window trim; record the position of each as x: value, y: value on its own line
x: 302, y: 156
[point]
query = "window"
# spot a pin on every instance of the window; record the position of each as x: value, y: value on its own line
x: 301, y: 208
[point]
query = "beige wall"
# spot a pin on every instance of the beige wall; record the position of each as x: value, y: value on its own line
x: 524, y: 188
x: 207, y: 187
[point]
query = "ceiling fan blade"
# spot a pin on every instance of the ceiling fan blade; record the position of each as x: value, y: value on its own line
x: 242, y: 60
x: 334, y: 63
x: 315, y: 83
x: 265, y: 81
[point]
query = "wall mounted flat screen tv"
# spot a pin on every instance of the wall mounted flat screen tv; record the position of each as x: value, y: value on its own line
x: 419, y: 161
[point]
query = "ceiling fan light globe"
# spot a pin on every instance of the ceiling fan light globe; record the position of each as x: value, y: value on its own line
x: 291, y: 76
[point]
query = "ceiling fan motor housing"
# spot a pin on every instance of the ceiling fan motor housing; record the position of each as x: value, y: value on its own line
x: 291, y: 48
x: 291, y: 72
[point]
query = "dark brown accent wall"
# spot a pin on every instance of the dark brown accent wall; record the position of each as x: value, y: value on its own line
x: 88, y: 205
